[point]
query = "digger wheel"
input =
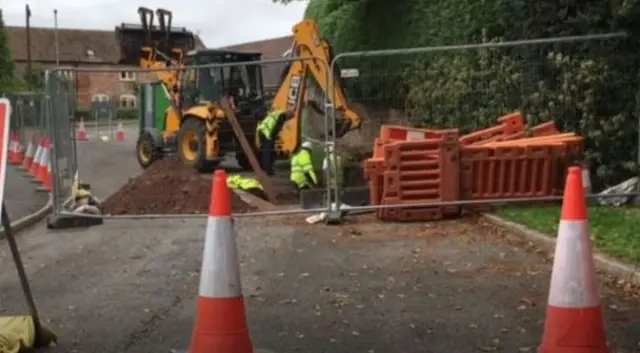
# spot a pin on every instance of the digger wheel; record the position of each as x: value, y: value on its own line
x: 146, y: 150
x: 192, y: 145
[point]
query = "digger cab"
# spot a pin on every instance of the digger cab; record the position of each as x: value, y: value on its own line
x: 148, y: 41
x: 210, y: 74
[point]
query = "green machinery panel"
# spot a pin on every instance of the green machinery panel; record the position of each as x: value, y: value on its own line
x: 155, y: 100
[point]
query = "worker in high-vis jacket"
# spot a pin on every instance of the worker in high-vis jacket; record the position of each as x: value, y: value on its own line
x: 267, y: 130
x: 302, y: 171
x: 333, y: 163
x: 250, y: 185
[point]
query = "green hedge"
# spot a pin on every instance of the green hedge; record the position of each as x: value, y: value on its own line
x: 590, y: 87
x: 123, y: 113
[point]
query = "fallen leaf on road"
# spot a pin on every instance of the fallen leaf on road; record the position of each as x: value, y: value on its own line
x: 288, y: 301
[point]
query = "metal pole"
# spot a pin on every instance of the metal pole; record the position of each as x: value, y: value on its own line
x: 28, y: 27
x: 57, y: 43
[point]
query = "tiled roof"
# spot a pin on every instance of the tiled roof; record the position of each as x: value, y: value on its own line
x: 74, y: 45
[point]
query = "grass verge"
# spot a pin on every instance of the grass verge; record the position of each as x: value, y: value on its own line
x: 614, y: 231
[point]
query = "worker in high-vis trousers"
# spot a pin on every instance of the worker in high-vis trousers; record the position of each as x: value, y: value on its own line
x: 302, y: 173
x: 267, y: 130
x: 250, y: 185
x: 333, y: 163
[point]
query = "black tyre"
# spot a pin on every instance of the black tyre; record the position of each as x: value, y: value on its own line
x: 191, y: 145
x: 147, y: 151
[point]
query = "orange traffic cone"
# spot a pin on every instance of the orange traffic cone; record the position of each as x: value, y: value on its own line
x: 120, y: 132
x: 47, y: 183
x: 82, y: 131
x: 29, y: 154
x: 574, y: 321
x: 10, y: 148
x: 33, y: 171
x: 17, y: 151
x: 41, y: 174
x: 220, y: 324
x: 14, y: 146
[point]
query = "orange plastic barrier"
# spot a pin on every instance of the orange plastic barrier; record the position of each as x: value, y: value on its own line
x: 420, y: 166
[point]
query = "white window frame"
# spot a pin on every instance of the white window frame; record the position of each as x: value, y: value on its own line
x: 128, y: 101
x: 66, y: 73
x: 127, y: 76
x: 100, y: 98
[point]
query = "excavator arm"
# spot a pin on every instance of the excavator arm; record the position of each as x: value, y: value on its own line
x: 152, y: 57
x: 307, y: 43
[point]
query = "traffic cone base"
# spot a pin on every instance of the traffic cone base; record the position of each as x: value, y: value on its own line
x: 221, y: 316
x: 566, y: 332
x: 573, y: 321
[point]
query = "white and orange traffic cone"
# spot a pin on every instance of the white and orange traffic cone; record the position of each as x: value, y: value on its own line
x: 18, y: 152
x: 120, y: 132
x: 82, y: 131
x: 220, y: 324
x: 29, y: 154
x: 573, y: 321
x: 14, y: 149
x: 47, y: 182
x: 43, y: 163
x: 33, y: 171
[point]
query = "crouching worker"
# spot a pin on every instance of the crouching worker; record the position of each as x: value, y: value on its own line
x: 302, y: 171
x: 250, y: 185
x: 81, y: 200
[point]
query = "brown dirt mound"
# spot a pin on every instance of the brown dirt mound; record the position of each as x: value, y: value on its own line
x: 167, y: 187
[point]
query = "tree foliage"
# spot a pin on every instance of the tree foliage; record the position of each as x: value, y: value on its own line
x: 587, y: 86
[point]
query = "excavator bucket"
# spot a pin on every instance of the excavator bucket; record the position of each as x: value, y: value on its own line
x: 165, y: 38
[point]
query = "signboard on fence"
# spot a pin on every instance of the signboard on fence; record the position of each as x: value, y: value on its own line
x: 5, y: 114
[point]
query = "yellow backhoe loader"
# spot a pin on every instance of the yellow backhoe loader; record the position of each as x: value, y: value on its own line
x: 194, y: 126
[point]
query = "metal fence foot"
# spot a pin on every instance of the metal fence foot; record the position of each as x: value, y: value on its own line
x: 66, y: 222
x: 334, y: 217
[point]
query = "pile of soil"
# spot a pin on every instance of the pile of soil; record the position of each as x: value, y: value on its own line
x: 167, y: 187
x: 286, y: 192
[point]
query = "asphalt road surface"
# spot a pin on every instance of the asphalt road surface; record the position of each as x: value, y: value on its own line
x: 130, y: 286
x: 20, y: 195
x: 454, y: 286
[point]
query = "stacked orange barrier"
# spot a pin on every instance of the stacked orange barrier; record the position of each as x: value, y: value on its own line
x: 413, y: 166
x: 410, y: 171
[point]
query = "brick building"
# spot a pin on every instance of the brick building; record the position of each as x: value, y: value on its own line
x: 93, y: 49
